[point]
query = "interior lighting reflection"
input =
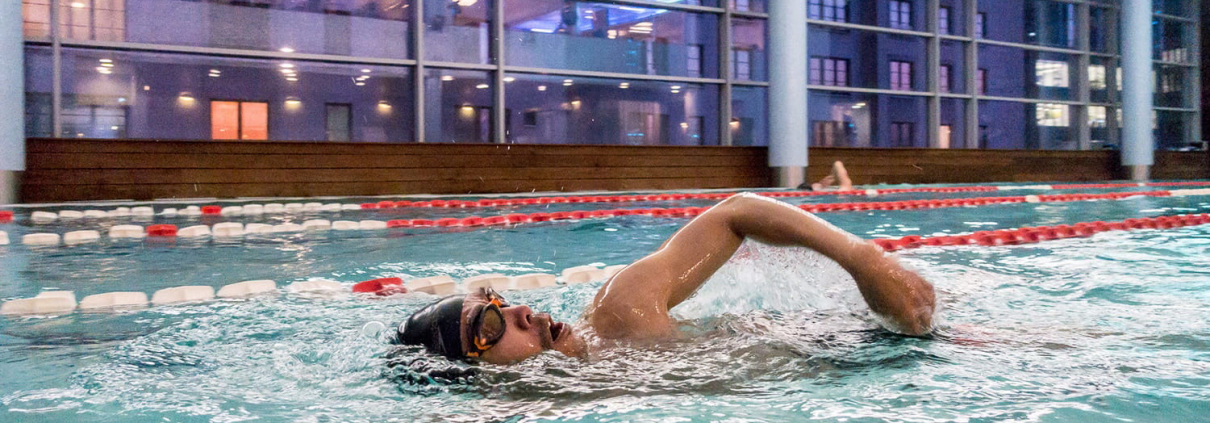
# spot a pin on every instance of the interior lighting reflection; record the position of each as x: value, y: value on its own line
x: 575, y: 104
x: 365, y: 71
x: 466, y: 112
x: 466, y: 3
x: 858, y: 105
x: 363, y: 77
x: 676, y: 87
x: 685, y: 126
x: 292, y: 79
x: 104, y: 70
x: 287, y: 50
x: 359, y: 84
x: 734, y: 123
x: 624, y: 85
x: 541, y: 88
x: 447, y: 78
x: 567, y: 82
x: 186, y: 98
x: 287, y: 65
x: 481, y: 86
x: 77, y: 5
x: 509, y: 79
x: 293, y: 102
x: 113, y: 128
x: 383, y: 105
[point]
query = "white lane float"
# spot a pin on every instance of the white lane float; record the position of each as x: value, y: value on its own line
x: 293, y: 207
x: 345, y: 225
x: 95, y: 214
x: 142, y: 211
x: 127, y: 231
x: 275, y: 208
x: 3, y: 238
x: 345, y: 207
x: 112, y: 300
x: 119, y: 212
x: 313, y: 207
x: 1032, y: 199
x: 247, y: 289
x: 195, y: 231
x: 70, y: 214
x: 231, y: 211
x: 287, y: 227
x: 613, y: 270
x: 317, y: 225
x: 81, y: 237
x: 371, y: 225
x: 332, y: 207
x: 227, y: 230
x: 436, y: 285
x: 43, y: 217
x: 582, y: 274
x: 182, y: 294
x: 494, y: 281
x: 258, y: 228
x: 191, y: 211
x: 254, y: 209
x: 40, y: 239
x: 533, y: 280
x: 315, y: 286
x: 56, y: 304
x: 169, y: 212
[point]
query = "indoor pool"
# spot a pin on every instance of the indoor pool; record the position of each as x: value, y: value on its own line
x: 1112, y: 327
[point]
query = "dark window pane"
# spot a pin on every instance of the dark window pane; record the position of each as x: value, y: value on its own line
x: 576, y: 110
x: 953, y: 55
x: 38, y: 91
x: 748, y: 35
x: 610, y: 38
x: 126, y: 94
x: 952, y: 133
x: 1029, y: 74
x: 457, y: 106
x: 1014, y: 125
x: 1172, y: 86
x: 868, y: 56
x: 864, y: 120
x: 1170, y: 130
x: 1103, y: 32
x: 758, y: 6
x: 1039, y: 22
x: 749, y: 110
x: 1170, y: 43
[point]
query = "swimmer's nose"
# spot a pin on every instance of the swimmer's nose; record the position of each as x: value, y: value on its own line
x: 523, y: 314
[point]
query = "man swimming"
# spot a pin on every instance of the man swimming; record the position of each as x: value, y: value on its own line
x: 839, y: 176
x: 634, y: 304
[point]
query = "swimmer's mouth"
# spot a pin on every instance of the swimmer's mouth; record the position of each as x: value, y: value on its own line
x: 556, y: 330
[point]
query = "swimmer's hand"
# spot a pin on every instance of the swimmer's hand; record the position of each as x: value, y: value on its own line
x: 903, y: 300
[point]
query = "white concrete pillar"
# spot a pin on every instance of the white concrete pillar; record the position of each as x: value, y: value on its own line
x: 12, y: 100
x: 1138, y: 99
x: 788, y: 91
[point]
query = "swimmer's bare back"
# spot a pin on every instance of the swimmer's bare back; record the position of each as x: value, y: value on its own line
x: 634, y: 304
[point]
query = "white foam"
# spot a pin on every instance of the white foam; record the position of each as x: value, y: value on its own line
x: 254, y: 209
x: 193, y: 231
x: 350, y: 207
x: 127, y: 231
x: 315, y: 285
x: 257, y: 228
x: 142, y: 211
x: 333, y: 207
x: 345, y: 225
x: 227, y: 230
x: 81, y: 237
x: 247, y: 288
x: 54, y: 305
x: 70, y: 214
x: 231, y: 211
x: 494, y: 281
x: 3, y: 238
x: 317, y: 225
x: 40, y: 239
x: 1032, y: 199
x: 370, y: 225
x: 436, y: 285
x: 182, y: 294
x: 95, y: 214
x: 274, y: 208
x: 43, y: 217
x: 288, y: 227
x: 533, y: 280
x: 113, y: 300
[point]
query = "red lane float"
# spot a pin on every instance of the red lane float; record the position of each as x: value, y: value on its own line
x: 1031, y: 235
x: 6, y: 216
x: 212, y: 210
x: 381, y: 286
x: 161, y: 230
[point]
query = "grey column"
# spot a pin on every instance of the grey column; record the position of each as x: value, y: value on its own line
x: 788, y: 91
x: 1138, y: 139
x: 12, y: 100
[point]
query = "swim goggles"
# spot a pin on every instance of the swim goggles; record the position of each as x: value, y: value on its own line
x: 489, y: 325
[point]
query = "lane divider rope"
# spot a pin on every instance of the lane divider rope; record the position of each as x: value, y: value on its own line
x: 1031, y: 235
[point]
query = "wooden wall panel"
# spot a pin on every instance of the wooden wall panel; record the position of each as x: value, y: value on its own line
x: 70, y: 169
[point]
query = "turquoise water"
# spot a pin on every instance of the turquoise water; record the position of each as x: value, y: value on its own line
x: 1110, y: 328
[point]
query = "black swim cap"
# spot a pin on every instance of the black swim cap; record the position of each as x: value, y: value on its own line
x: 438, y: 327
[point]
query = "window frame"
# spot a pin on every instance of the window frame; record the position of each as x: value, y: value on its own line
x: 898, y: 75
x: 818, y: 75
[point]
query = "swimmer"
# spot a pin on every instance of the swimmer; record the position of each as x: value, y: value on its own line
x: 838, y: 176
x: 634, y: 304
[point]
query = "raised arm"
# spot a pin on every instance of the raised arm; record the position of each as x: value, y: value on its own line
x: 635, y: 303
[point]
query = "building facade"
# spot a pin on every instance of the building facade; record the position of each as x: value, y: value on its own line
x: 994, y: 74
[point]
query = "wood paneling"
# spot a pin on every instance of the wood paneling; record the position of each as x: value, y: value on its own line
x: 69, y: 169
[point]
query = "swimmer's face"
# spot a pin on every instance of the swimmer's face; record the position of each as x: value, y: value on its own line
x: 526, y: 334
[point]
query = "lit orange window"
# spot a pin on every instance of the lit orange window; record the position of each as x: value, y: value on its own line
x: 239, y: 120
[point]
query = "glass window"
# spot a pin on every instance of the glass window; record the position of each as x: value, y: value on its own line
x: 242, y: 120
x: 952, y: 133
x: 458, y: 31
x: 610, y: 38
x: 748, y: 35
x: 1038, y: 22
x: 1099, y: 128
x: 578, y: 110
x: 458, y: 106
x: 828, y: 10
x: 346, y: 28
x: 38, y: 91
x: 901, y: 14
x: 741, y: 64
x: 340, y: 121
x: 1099, y: 78
x: 868, y: 57
x: 903, y: 134
x: 980, y: 25
x: 981, y: 81
x: 1024, y: 73
x: 953, y: 56
x: 1017, y: 125
x: 864, y: 120
x: 1170, y: 43
x: 1174, y: 7
x: 829, y: 71
x: 1170, y: 130
x: 1171, y: 84
x: 901, y: 75
x: 1102, y: 29
x: 112, y: 94
x: 749, y: 116
x: 943, y: 20
x: 943, y: 79
x: 36, y: 18
x: 757, y: 6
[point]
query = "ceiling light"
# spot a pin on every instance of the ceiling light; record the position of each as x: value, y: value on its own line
x: 292, y: 79
x: 509, y: 79
x: 77, y: 5
x: 447, y: 78
x: 106, y: 61
x: 365, y: 71
x: 359, y: 84
x: 676, y: 87
x: 287, y: 65
x: 287, y: 50
x: 541, y: 88
x: 481, y: 86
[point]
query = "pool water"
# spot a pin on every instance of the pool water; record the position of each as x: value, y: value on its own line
x: 1115, y: 327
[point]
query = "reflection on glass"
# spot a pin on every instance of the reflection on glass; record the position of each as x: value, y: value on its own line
x: 347, y: 28
x: 458, y: 106
x: 1019, y: 73
x: 458, y: 31
x: 756, y: 6
x: 1102, y: 29
x: 1170, y: 86
x: 1040, y: 22
x: 1052, y: 114
x: 610, y: 38
x: 1169, y: 37
x: 132, y: 95
x: 749, y: 116
x: 1017, y: 125
x: 953, y: 62
x: 828, y: 10
x: 1098, y: 124
x: 952, y: 133
x: 36, y: 18
x: 869, y: 59
x: 38, y: 91
x: 1170, y: 130
x: 748, y: 49
x: 577, y: 110
x: 866, y: 120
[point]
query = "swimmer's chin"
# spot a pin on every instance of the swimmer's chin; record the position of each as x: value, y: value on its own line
x: 571, y: 342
